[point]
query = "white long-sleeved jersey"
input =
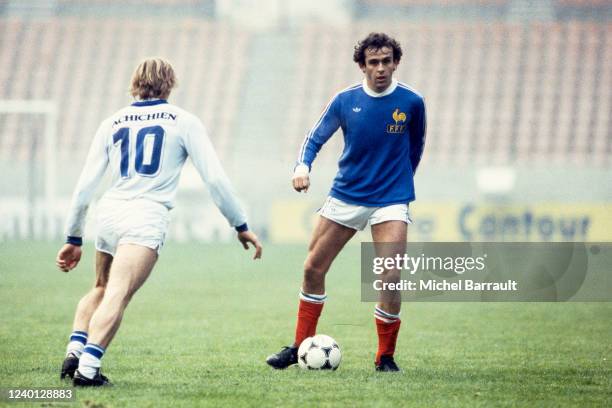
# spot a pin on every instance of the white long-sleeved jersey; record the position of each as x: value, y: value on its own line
x: 145, y: 145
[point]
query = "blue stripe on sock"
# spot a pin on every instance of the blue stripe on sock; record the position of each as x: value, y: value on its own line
x: 314, y: 297
x: 94, y: 350
x: 379, y: 311
x: 97, y: 346
x: 79, y: 336
x: 80, y: 339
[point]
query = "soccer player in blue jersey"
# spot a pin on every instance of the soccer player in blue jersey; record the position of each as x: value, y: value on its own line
x: 144, y: 145
x: 383, y: 122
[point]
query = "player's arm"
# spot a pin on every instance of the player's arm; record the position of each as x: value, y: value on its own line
x: 95, y: 166
x: 418, y: 130
x: 206, y: 162
x: 325, y: 127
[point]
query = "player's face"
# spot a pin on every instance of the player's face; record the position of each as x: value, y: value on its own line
x: 378, y: 68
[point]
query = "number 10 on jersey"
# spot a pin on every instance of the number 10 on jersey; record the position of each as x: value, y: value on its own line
x: 147, y: 158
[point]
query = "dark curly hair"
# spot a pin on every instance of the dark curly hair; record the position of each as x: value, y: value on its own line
x: 376, y: 41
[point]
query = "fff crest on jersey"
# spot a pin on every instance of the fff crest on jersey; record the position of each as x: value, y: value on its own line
x: 400, y: 122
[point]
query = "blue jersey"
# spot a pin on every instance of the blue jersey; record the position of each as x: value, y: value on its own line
x: 384, y: 136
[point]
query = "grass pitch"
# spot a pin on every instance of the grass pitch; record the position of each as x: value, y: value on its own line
x: 199, y: 330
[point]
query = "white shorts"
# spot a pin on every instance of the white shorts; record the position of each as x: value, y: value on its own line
x: 358, y: 216
x: 142, y: 222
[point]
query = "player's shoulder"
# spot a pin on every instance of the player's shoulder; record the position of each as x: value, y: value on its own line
x: 118, y: 117
x: 343, y: 96
x: 347, y: 91
x: 112, y: 120
x: 410, y: 92
x: 183, y: 116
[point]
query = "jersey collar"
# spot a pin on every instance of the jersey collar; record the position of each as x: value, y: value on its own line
x: 375, y: 94
x: 149, y: 102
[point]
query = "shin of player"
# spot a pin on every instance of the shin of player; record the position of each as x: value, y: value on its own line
x: 84, y: 311
x: 328, y: 240
x: 389, y: 241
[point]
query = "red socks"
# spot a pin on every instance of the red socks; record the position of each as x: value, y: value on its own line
x: 387, y: 327
x: 387, y: 324
x: 308, y: 316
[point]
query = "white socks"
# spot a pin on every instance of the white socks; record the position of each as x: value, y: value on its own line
x: 76, y: 344
x: 89, y: 363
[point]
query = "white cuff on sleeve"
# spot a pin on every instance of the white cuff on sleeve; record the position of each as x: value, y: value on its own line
x: 301, y: 170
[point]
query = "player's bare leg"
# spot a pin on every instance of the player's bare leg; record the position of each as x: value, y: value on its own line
x: 130, y: 268
x: 389, y: 240
x: 327, y: 241
x: 392, y: 236
x: 89, y: 303
x: 85, y: 309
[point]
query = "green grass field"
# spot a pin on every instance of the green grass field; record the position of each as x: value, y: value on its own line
x: 199, y: 330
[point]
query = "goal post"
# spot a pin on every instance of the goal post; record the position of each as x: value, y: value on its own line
x: 48, y: 108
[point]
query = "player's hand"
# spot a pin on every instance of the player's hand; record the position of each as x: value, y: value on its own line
x: 246, y: 237
x: 301, y: 178
x: 68, y: 257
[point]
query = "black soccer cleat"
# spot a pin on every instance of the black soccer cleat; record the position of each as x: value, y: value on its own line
x: 284, y: 358
x: 71, y: 363
x: 387, y: 364
x: 98, y: 380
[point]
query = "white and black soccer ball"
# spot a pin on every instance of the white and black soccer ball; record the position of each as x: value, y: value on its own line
x: 319, y: 352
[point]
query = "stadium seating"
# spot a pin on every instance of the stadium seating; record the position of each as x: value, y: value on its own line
x: 84, y: 64
x: 497, y: 93
x: 583, y: 3
x: 502, y: 93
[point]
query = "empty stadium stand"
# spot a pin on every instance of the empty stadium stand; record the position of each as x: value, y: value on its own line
x: 501, y: 93
x: 84, y: 64
x: 496, y: 92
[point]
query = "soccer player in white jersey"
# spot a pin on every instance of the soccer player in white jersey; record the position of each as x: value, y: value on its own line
x: 383, y: 122
x: 145, y: 146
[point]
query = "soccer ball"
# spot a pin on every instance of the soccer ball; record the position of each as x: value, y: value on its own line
x: 319, y: 352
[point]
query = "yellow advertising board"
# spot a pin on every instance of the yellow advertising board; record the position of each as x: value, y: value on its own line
x: 293, y: 221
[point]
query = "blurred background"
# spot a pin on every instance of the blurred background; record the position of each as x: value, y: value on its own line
x: 518, y: 94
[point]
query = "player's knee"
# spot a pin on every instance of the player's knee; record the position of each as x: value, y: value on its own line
x: 313, y: 271
x: 118, y: 295
x: 94, y: 296
x: 97, y: 292
x: 393, y: 275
